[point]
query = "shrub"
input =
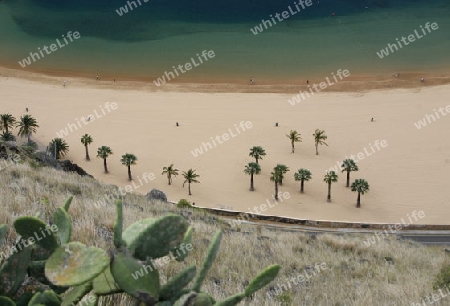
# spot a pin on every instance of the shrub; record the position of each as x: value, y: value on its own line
x: 183, y: 203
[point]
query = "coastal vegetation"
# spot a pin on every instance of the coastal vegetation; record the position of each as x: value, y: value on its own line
x: 40, y: 191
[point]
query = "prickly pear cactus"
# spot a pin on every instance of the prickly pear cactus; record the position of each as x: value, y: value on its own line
x: 155, y: 238
x: 74, y: 263
x: 34, y: 229
x: 144, y: 286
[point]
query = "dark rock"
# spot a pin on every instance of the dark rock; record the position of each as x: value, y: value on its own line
x: 156, y: 194
x: 68, y: 166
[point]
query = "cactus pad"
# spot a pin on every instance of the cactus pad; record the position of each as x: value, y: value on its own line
x: 207, y: 263
x: 76, y: 294
x: 264, y: 278
x: 13, y: 272
x: 5, y: 301
x: 105, y: 284
x: 74, y: 264
x: 131, y: 276
x: 62, y: 220
x: 47, y: 298
x: 36, y: 229
x: 177, y: 283
x: 186, y: 240
x: 67, y: 203
x: 155, y: 237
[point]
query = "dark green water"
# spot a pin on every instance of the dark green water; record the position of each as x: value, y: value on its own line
x: 156, y: 35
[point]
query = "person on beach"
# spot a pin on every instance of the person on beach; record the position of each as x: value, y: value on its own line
x: 371, y: 119
x: 251, y: 81
x: 64, y: 83
x: 26, y: 108
x: 422, y: 80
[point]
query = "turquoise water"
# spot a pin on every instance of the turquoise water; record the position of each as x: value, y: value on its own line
x: 150, y: 39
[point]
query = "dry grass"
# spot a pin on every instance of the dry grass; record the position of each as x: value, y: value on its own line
x: 356, y: 274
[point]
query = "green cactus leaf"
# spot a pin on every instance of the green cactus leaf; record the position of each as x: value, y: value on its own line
x: 264, y: 278
x: 67, y: 203
x: 14, y: 270
x: 64, y: 224
x: 118, y: 225
x: 6, y: 301
x: 3, y: 230
x: 177, y: 283
x: 74, y: 264
x: 47, y: 298
x: 105, y: 284
x: 203, y: 299
x: 155, y: 238
x: 232, y: 300
x: 207, y: 263
x: 131, y: 276
x: 34, y: 229
x: 76, y: 294
x: 183, y: 300
x: 181, y: 250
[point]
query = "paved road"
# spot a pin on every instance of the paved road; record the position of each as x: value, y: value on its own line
x: 429, y: 239
x: 424, y: 237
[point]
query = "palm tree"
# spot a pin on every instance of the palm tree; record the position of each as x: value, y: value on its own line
x: 190, y: 177
x: 86, y: 140
x: 170, y: 171
x: 27, y: 126
x: 329, y: 178
x: 283, y: 169
x: 361, y: 186
x: 319, y: 138
x: 302, y: 175
x: 7, y: 136
x: 251, y: 169
x: 257, y: 153
x: 349, y: 165
x: 7, y: 121
x: 58, y: 147
x: 294, y: 136
x: 128, y: 160
x: 104, y: 152
x: 276, y: 176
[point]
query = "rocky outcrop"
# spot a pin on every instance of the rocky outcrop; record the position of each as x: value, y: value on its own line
x: 156, y: 194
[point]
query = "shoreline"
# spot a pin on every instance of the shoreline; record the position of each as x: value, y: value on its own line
x: 351, y: 84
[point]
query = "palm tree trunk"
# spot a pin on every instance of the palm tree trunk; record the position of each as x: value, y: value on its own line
x: 276, y: 190
x: 251, y: 182
x: 301, y: 186
x: 105, y: 165
x: 329, y: 192
x: 358, y: 201
x: 293, y: 148
x: 87, y: 153
x: 29, y: 134
x: 189, y: 187
x: 129, y: 173
x: 317, y: 148
x: 348, y: 178
x: 170, y: 178
x: 256, y: 159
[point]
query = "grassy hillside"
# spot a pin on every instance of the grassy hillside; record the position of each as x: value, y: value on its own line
x: 354, y: 274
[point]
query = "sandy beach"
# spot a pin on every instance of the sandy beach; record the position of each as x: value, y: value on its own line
x: 407, y: 173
